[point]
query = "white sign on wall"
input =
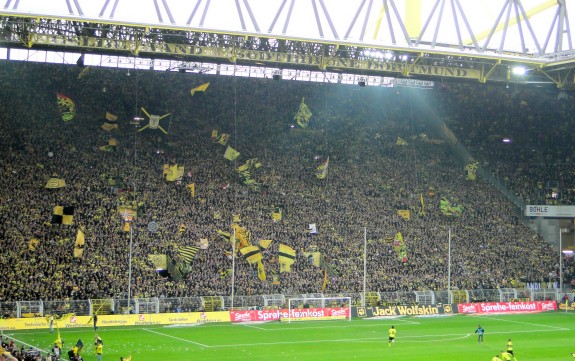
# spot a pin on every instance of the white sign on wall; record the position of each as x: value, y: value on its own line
x: 550, y: 211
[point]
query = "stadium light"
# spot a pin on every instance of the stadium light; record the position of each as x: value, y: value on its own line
x: 519, y: 70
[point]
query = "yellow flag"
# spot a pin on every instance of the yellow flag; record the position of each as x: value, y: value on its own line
x: 79, y: 245
x: 314, y: 258
x: 261, y: 271
x: 303, y: 114
x: 252, y: 254
x: 223, y: 138
x: 111, y: 117
x: 471, y: 169
x: 400, y: 141
x: 182, y: 229
x: 265, y: 243
x: 277, y: 214
x: 108, y: 126
x: 404, y: 213
x: 286, y: 257
x: 284, y: 267
x: 231, y: 154
x: 243, y: 236
x: 192, y: 188
x: 172, y: 173
x: 54, y: 183
x: 159, y: 261
x: 32, y: 244
x: 200, y: 88
x: 422, y: 210
x: 58, y: 341
x: 321, y: 170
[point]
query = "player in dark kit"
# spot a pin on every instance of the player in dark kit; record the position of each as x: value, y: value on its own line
x: 479, y: 331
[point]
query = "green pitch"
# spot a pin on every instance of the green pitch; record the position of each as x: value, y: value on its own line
x: 542, y: 337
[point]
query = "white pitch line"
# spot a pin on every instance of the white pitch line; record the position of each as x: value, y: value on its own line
x: 252, y: 326
x: 410, y: 339
x: 438, y: 340
x: 526, y: 323
x: 175, y: 337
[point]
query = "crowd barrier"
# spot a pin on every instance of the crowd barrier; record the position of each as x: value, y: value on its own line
x: 194, y: 318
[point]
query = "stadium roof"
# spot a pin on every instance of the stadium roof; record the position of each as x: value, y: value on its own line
x: 470, y: 39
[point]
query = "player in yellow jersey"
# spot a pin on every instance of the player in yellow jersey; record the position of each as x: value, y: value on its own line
x: 495, y: 358
x: 510, y: 348
x: 505, y: 356
x: 98, y: 350
x: 392, y: 331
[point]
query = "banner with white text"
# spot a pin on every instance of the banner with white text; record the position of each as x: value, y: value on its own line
x: 506, y: 307
x: 298, y: 314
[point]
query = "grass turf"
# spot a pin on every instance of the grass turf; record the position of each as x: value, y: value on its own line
x: 543, y: 337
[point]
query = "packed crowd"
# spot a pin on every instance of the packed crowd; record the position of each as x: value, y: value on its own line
x: 370, y: 177
x: 535, y: 120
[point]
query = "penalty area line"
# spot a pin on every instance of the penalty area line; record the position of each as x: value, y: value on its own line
x: 176, y: 338
x: 526, y: 323
x: 252, y: 326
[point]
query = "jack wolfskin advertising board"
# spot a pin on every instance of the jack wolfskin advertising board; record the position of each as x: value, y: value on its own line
x: 404, y: 310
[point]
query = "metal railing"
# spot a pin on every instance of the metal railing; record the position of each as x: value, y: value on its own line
x: 136, y: 305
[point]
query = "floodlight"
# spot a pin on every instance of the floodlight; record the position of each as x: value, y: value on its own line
x: 519, y: 70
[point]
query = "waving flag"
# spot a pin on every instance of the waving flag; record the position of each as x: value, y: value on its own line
x: 252, y: 254
x: 111, y: 117
x: 231, y: 154
x: 67, y: 107
x: 79, y: 244
x: 321, y: 170
x: 286, y: 258
x: 200, y: 88
x: 303, y: 114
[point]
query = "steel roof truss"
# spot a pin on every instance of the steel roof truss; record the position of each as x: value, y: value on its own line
x: 387, y: 6
x: 528, y: 24
x: 113, y: 8
x: 70, y: 10
x: 520, y: 29
x: 193, y: 12
x: 7, y: 5
x: 390, y: 27
x: 205, y: 13
x: 520, y: 15
x: 401, y: 24
x: 354, y: 19
x: 562, y: 21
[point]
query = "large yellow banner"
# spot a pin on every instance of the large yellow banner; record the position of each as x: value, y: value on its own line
x: 36, y: 323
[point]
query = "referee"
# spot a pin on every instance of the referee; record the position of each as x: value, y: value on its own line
x: 479, y: 331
